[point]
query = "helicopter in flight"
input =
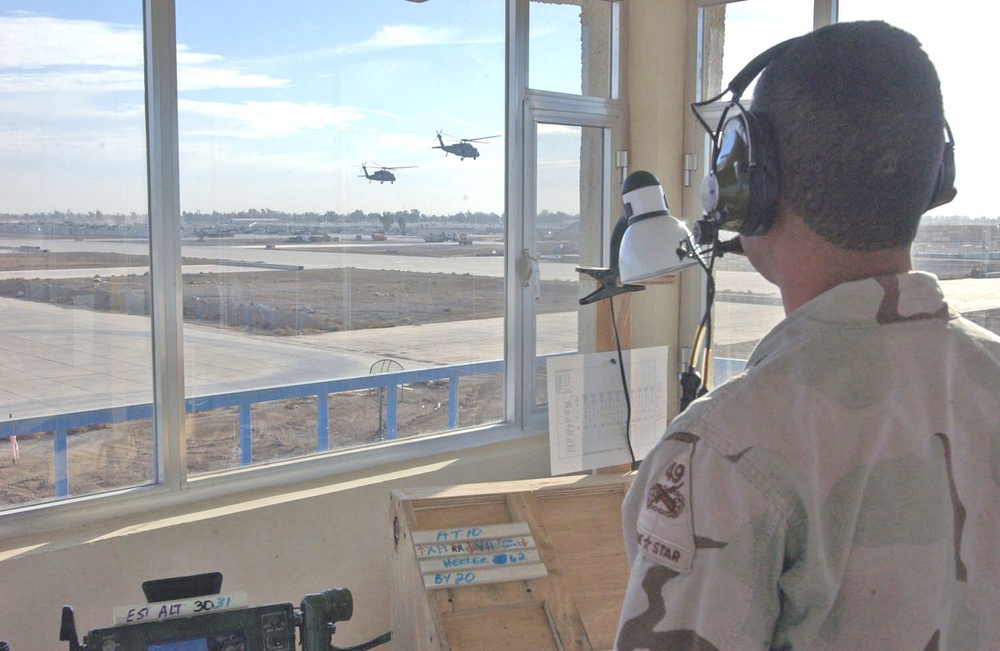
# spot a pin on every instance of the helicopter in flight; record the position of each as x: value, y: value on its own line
x: 382, y: 174
x: 463, y: 148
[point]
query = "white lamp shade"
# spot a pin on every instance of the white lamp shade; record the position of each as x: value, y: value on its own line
x: 651, y: 248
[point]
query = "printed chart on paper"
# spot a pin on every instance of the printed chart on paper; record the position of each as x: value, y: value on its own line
x: 587, y: 407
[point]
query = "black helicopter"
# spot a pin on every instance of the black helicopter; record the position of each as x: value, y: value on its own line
x: 382, y: 174
x: 463, y: 148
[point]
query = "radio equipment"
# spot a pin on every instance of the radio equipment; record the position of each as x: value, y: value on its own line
x: 191, y: 614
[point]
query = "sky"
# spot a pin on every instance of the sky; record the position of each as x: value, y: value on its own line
x: 281, y: 103
x: 959, y: 37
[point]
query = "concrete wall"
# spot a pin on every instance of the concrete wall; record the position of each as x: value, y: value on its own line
x: 657, y: 109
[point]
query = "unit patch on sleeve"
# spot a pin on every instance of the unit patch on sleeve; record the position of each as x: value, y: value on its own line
x: 665, y: 532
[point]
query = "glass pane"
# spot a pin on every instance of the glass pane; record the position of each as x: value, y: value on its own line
x: 733, y: 34
x: 342, y: 189
x: 746, y: 305
x: 75, y: 345
x: 959, y: 240
x: 572, y: 47
x: 569, y: 198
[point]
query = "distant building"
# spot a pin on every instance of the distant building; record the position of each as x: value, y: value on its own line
x: 958, y: 238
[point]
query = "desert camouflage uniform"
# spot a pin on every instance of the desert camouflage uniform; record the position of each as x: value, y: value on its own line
x: 842, y: 493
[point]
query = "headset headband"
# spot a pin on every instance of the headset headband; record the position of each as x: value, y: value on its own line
x: 750, y: 71
x: 740, y: 191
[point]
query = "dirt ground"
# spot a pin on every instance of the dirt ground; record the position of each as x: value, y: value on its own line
x: 120, y: 455
x: 279, y: 303
x: 282, y: 303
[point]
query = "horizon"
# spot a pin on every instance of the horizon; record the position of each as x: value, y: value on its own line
x: 286, y: 118
x: 237, y: 214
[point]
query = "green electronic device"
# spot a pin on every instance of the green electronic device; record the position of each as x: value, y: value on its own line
x: 191, y: 614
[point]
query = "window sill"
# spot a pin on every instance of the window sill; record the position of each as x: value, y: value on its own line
x: 336, y: 470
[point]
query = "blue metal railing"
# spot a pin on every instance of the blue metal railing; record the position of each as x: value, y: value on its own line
x: 60, y: 424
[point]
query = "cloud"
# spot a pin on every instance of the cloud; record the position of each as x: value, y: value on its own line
x: 393, y: 36
x: 568, y: 163
x: 70, y: 82
x: 187, y: 57
x: 403, y: 142
x: 263, y: 119
x: 33, y: 41
x: 390, y: 37
x: 191, y: 78
x: 75, y: 91
x: 40, y: 54
x: 548, y: 129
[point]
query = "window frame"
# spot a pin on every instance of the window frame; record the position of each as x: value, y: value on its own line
x: 171, y: 486
x: 698, y: 146
x: 546, y: 107
x: 695, y: 138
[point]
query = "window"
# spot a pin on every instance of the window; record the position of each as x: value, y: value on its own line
x: 573, y: 46
x: 959, y: 241
x: 571, y: 215
x: 573, y: 126
x: 746, y: 305
x: 75, y: 338
x: 956, y: 241
x: 326, y: 266
x: 353, y: 171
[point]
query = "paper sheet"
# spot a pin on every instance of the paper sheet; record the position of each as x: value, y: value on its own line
x: 587, y: 407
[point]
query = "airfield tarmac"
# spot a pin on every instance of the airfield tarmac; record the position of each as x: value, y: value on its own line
x: 55, y: 359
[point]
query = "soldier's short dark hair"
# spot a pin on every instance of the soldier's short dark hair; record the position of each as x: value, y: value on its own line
x: 858, y: 124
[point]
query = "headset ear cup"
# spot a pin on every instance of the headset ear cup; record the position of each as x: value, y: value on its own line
x: 944, y: 189
x: 725, y: 190
x: 762, y: 202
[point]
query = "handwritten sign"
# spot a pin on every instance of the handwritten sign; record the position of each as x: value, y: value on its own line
x: 479, y: 561
x: 508, y: 529
x: 466, y: 556
x: 152, y: 612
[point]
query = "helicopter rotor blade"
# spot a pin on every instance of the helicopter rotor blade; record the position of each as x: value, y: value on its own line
x: 398, y: 167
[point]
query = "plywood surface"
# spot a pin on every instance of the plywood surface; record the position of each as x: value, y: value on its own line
x: 575, y: 529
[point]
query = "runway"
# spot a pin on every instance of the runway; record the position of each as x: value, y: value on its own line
x: 57, y: 359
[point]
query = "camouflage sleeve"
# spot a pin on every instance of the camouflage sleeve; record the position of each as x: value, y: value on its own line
x: 705, y: 553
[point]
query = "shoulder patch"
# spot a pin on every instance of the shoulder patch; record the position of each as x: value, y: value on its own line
x: 665, y: 529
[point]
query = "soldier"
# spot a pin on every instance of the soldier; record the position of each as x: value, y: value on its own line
x: 842, y: 492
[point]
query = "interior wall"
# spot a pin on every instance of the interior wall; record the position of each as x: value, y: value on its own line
x: 276, y: 546
x: 656, y: 67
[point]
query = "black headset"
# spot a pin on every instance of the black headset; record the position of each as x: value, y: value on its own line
x: 740, y: 192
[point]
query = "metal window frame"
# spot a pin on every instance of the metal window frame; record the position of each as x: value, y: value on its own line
x: 825, y: 12
x: 526, y: 108
x: 172, y: 486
